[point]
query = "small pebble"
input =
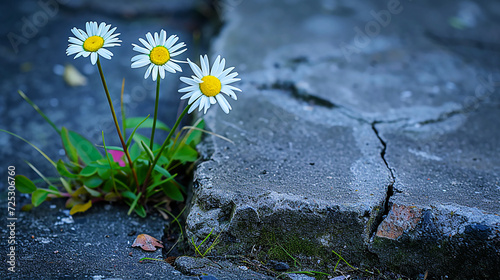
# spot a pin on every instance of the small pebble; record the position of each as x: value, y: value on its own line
x: 281, y: 266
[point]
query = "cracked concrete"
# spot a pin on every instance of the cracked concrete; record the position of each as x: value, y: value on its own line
x: 387, y: 154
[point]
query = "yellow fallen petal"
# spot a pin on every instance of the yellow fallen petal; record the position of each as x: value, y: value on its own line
x: 80, y: 207
x: 73, y: 77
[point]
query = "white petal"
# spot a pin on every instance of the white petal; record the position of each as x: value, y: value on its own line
x: 150, y: 39
x: 93, y: 58
x: 146, y: 44
x: 178, y: 53
x: 212, y: 100
x: 140, y: 63
x: 188, y: 81
x: 105, y: 53
x: 187, y: 95
x: 215, y: 66
x: 204, y: 65
x: 141, y: 49
x: 176, y: 47
x: 76, y: 41
x: 106, y: 36
x: 85, y: 35
x: 221, y: 68
x: 223, y: 103
x: 88, y: 29
x: 86, y: 53
x: 226, y: 81
x: 171, y: 41
x: 229, y: 92
x: 196, y: 69
x: 100, y: 29
x: 193, y: 107
x: 163, y: 37
x: 225, y: 72
x: 196, y: 95
x: 148, y: 71
x: 189, y: 88
x: 207, y: 105
x: 157, y: 39
x: 162, y: 72
x: 231, y: 87
x: 78, y: 34
x: 173, y: 66
x: 168, y: 68
x: 139, y: 57
x: 155, y: 72
x: 74, y: 49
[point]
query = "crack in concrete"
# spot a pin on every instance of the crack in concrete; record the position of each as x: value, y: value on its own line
x: 390, y: 188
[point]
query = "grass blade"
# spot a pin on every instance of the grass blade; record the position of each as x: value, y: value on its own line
x: 35, y: 147
x: 133, y: 132
x: 39, y: 111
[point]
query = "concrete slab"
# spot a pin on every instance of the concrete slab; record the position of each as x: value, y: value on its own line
x: 361, y: 97
x: 447, y: 200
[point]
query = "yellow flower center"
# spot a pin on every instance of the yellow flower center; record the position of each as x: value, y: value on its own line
x: 159, y: 55
x: 211, y: 86
x: 93, y: 43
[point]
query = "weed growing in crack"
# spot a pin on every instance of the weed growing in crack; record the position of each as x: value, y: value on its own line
x: 140, y: 171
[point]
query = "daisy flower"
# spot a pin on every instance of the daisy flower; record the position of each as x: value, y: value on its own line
x: 204, y: 89
x: 93, y: 42
x: 158, y: 54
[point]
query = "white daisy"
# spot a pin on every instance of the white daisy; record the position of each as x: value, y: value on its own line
x: 93, y: 42
x: 158, y: 54
x: 204, y: 88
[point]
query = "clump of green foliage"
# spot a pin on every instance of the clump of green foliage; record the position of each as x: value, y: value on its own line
x: 91, y: 175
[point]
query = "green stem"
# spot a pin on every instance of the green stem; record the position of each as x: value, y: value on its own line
x: 116, y: 123
x: 123, y: 110
x: 163, y: 147
x: 156, y: 113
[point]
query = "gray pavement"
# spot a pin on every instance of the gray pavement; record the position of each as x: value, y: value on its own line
x: 370, y: 129
x: 365, y: 128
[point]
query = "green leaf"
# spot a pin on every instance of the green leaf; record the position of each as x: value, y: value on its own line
x: 185, y: 153
x: 140, y: 122
x: 158, y: 168
x: 80, y: 207
x: 160, y: 183
x: 139, y: 210
x: 71, y: 151
x: 129, y: 195
x: 38, y: 196
x: 108, y: 186
x: 24, y: 185
x: 134, y: 203
x: 115, y: 148
x: 104, y: 173
x: 88, y: 171
x: 171, y: 190
x: 92, y: 182
x: 61, y: 168
x: 134, y: 151
x: 148, y: 151
x: 86, y: 150
x: 66, y: 185
x: 111, y: 196
x: 92, y: 192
